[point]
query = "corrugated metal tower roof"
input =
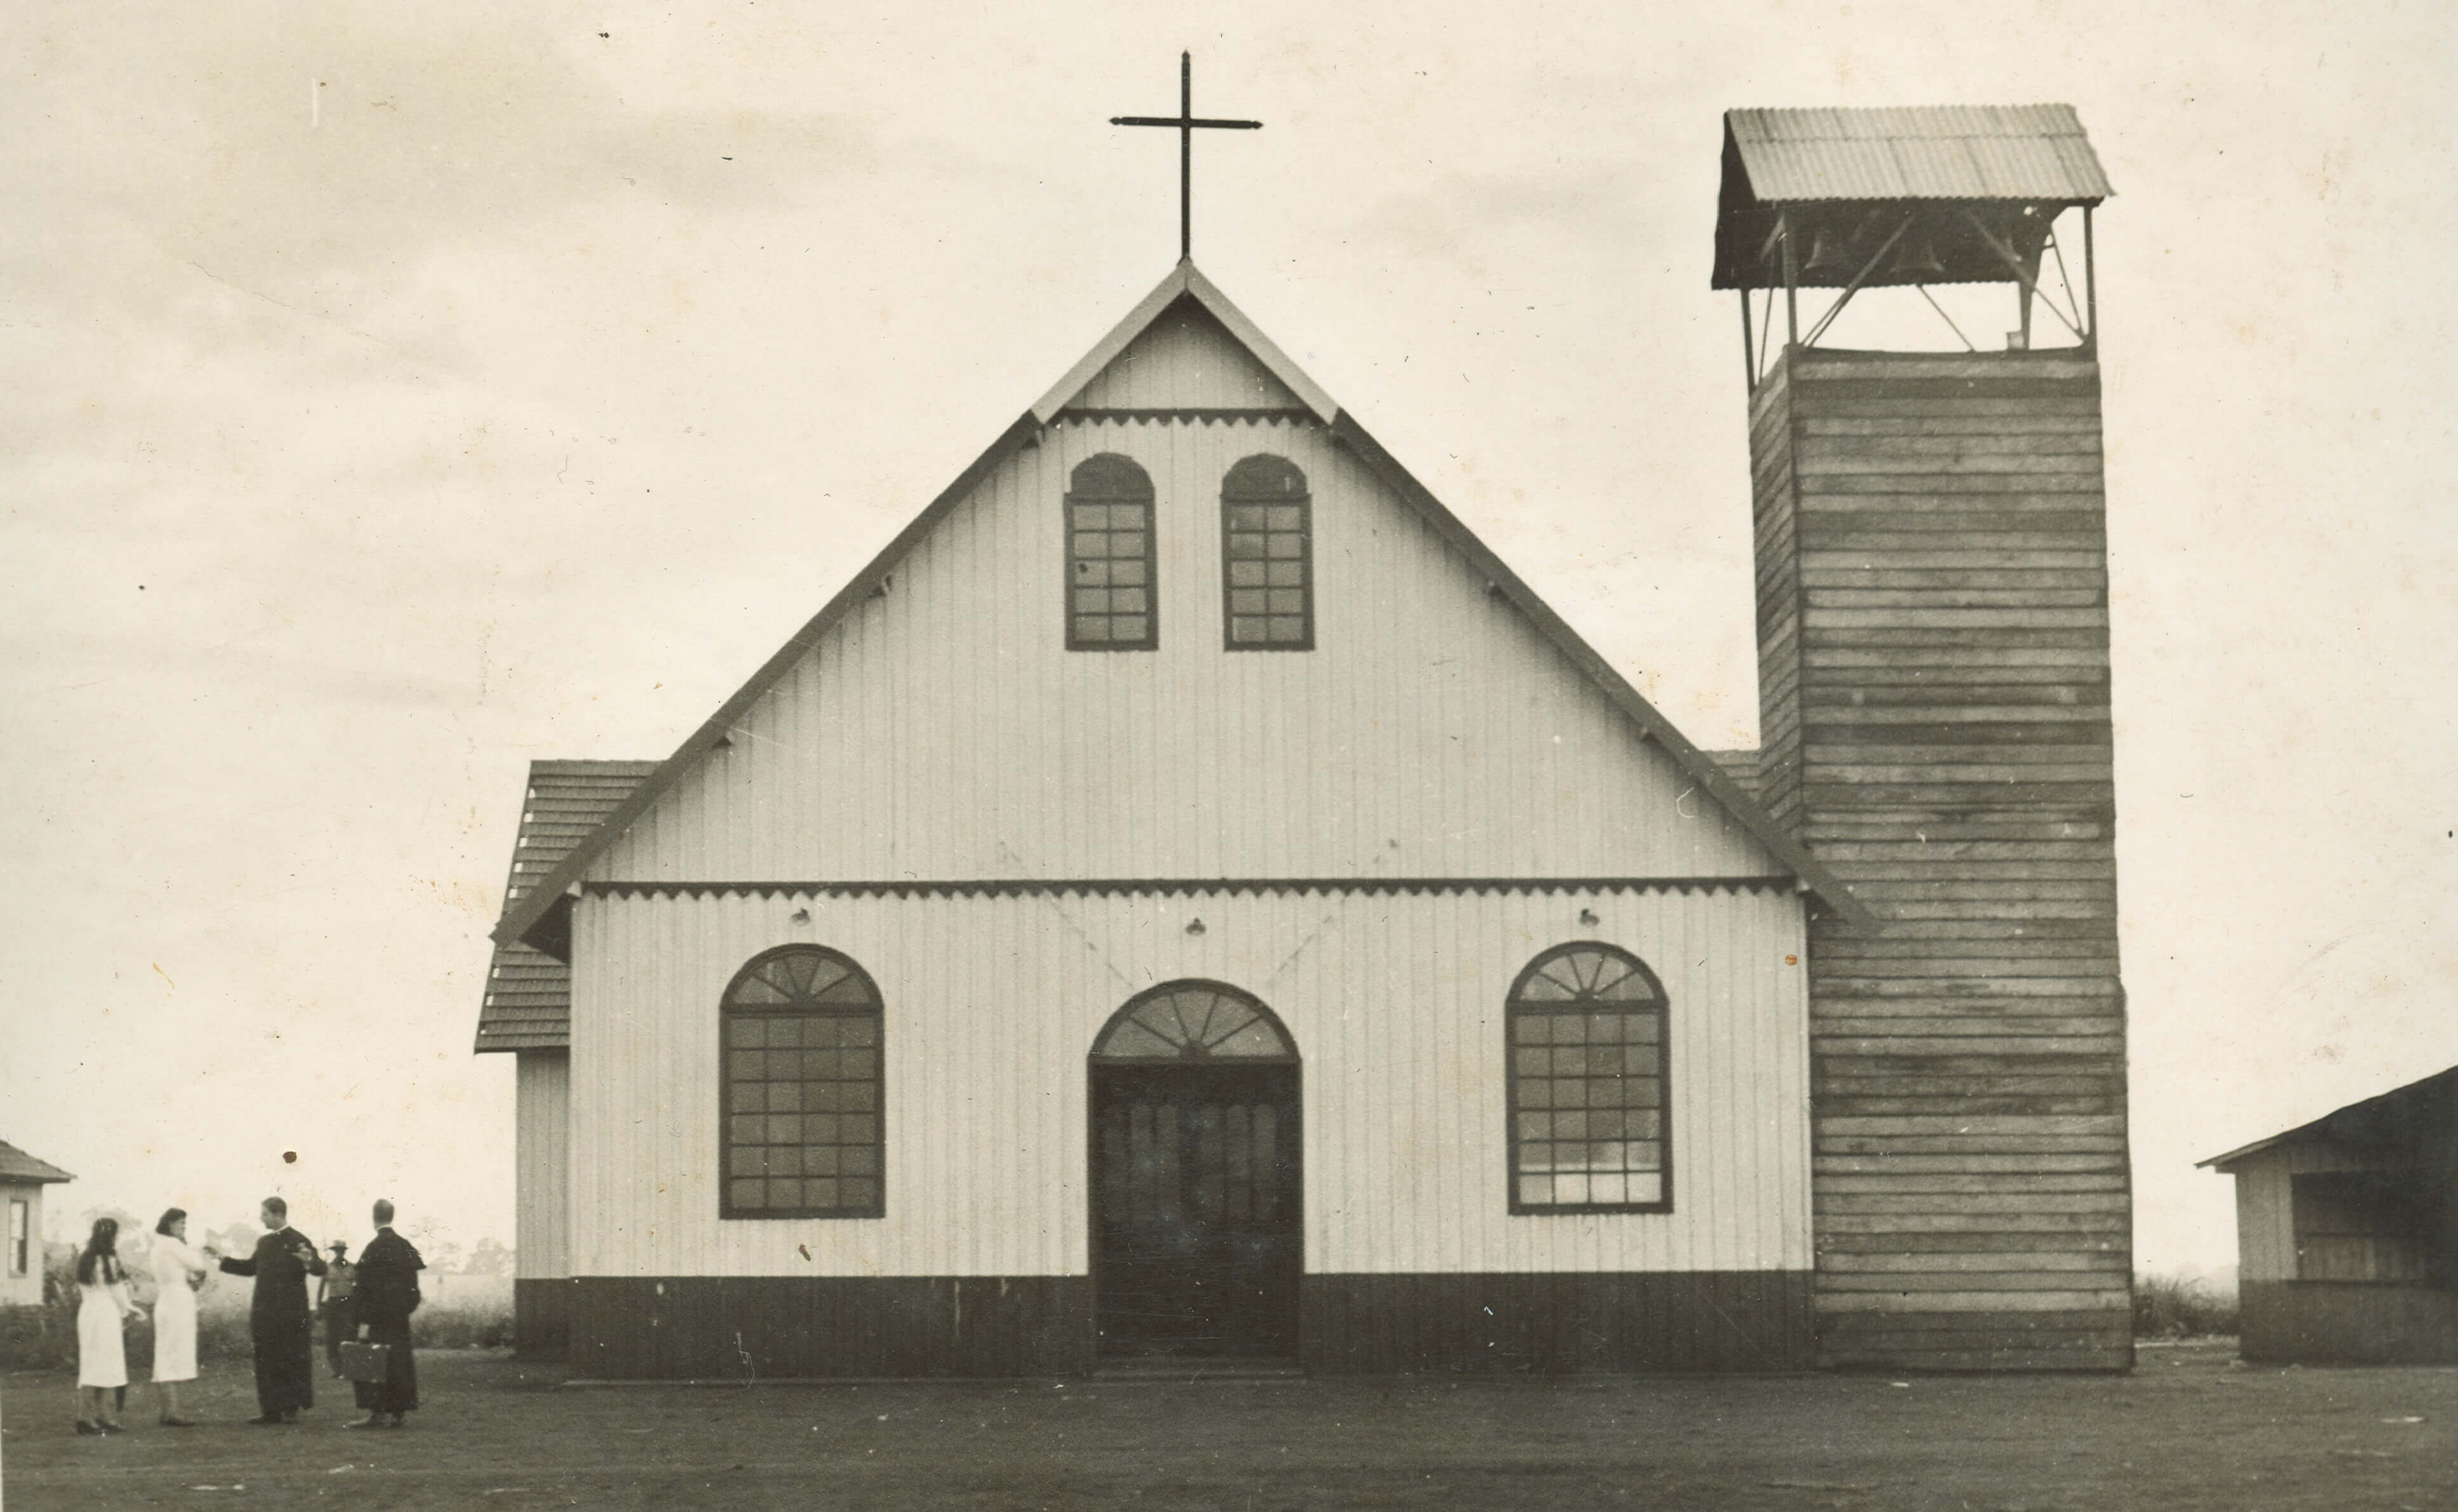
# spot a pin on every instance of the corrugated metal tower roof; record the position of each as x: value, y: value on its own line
x: 529, y: 993
x: 1928, y: 152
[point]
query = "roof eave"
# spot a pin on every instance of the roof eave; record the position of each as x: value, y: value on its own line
x: 1815, y: 876
x: 522, y: 923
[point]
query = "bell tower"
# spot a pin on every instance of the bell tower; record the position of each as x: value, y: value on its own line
x: 1933, y: 675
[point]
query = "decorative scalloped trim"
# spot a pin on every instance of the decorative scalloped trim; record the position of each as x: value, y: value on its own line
x: 1203, y: 417
x: 1157, y: 887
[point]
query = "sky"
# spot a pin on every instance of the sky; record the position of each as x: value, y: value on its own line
x: 392, y: 395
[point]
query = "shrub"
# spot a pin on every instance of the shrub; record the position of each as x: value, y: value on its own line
x: 2180, y: 1307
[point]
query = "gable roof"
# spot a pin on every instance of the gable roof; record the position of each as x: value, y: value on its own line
x: 2405, y: 1115
x: 528, y: 1004
x: 540, y: 918
x: 15, y: 1164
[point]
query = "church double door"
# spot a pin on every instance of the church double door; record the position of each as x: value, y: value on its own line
x: 1196, y: 1240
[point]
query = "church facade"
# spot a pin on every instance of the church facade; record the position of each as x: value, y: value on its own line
x: 1188, y: 900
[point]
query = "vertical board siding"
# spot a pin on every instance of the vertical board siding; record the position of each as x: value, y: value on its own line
x: 992, y: 1007
x: 2265, y: 1205
x: 944, y: 732
x: 1184, y: 360
x: 1932, y: 594
x: 542, y: 1165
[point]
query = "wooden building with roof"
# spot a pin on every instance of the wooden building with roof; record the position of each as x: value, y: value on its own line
x: 22, y: 1180
x: 2347, y: 1233
x: 1188, y: 897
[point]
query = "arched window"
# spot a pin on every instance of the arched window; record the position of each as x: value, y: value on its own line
x: 1267, y: 556
x: 1193, y: 1021
x: 1588, y: 1091
x: 802, y: 1088
x: 1109, y: 603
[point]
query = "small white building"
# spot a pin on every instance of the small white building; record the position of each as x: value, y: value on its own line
x: 22, y: 1180
x: 2347, y: 1233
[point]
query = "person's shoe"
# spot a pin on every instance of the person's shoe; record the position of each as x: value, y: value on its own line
x: 109, y: 1427
x: 86, y: 1428
x: 373, y: 1420
x: 271, y: 1420
x: 178, y: 1422
x: 291, y: 1416
x: 400, y: 1419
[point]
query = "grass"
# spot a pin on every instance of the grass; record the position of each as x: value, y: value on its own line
x: 2167, y: 1307
x: 45, y: 1338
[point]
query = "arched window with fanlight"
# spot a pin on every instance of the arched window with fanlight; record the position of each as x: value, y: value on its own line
x: 1586, y: 1035
x: 1267, y: 555
x: 804, y: 1088
x: 1110, y: 557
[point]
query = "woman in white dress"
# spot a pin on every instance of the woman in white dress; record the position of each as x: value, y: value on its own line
x: 178, y: 1268
x: 103, y: 1309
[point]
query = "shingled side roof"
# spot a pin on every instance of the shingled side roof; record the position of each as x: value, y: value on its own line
x: 528, y: 1004
x: 542, y: 919
x: 15, y: 1164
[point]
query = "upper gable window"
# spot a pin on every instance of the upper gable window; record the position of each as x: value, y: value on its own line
x: 1110, y: 564
x: 1267, y: 556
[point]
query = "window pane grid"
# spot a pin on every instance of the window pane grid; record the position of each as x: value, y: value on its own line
x: 803, y: 1089
x: 1266, y: 547
x: 1110, y: 557
x: 1588, y: 1094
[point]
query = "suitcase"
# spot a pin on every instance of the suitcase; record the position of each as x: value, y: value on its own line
x: 365, y: 1362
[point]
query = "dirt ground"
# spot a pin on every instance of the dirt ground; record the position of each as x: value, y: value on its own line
x: 2189, y: 1430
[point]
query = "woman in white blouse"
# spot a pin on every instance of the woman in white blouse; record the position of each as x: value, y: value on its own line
x: 103, y: 1310
x: 178, y: 1270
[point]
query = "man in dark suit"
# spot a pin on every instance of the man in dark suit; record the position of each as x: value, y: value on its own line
x: 278, y: 1320
x: 387, y: 1294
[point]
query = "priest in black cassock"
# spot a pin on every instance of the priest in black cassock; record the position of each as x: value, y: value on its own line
x: 278, y: 1320
x: 387, y: 1294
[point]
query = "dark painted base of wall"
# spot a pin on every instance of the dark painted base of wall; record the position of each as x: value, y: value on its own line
x: 1504, y: 1324
x: 2347, y: 1323
x: 541, y: 1318
x: 2097, y: 1340
x: 708, y: 1328
x: 736, y: 1327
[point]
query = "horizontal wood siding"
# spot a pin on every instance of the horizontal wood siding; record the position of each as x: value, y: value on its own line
x: 945, y: 732
x: 2347, y: 1323
x: 992, y: 1003
x: 1515, y: 1325
x: 1934, y: 649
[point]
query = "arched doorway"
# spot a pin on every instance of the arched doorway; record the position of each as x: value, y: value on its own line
x: 1197, y: 1197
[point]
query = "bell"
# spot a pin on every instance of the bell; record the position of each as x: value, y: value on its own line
x: 1916, y: 261
x: 1829, y: 261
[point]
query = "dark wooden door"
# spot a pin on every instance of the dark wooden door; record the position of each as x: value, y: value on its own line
x: 1196, y: 1204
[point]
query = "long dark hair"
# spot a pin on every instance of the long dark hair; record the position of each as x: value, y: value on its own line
x: 170, y: 1216
x: 100, y: 1252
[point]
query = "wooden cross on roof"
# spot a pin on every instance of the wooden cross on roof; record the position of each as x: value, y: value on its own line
x: 1186, y: 122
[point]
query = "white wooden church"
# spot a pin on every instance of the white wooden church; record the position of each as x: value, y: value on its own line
x: 1187, y: 899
